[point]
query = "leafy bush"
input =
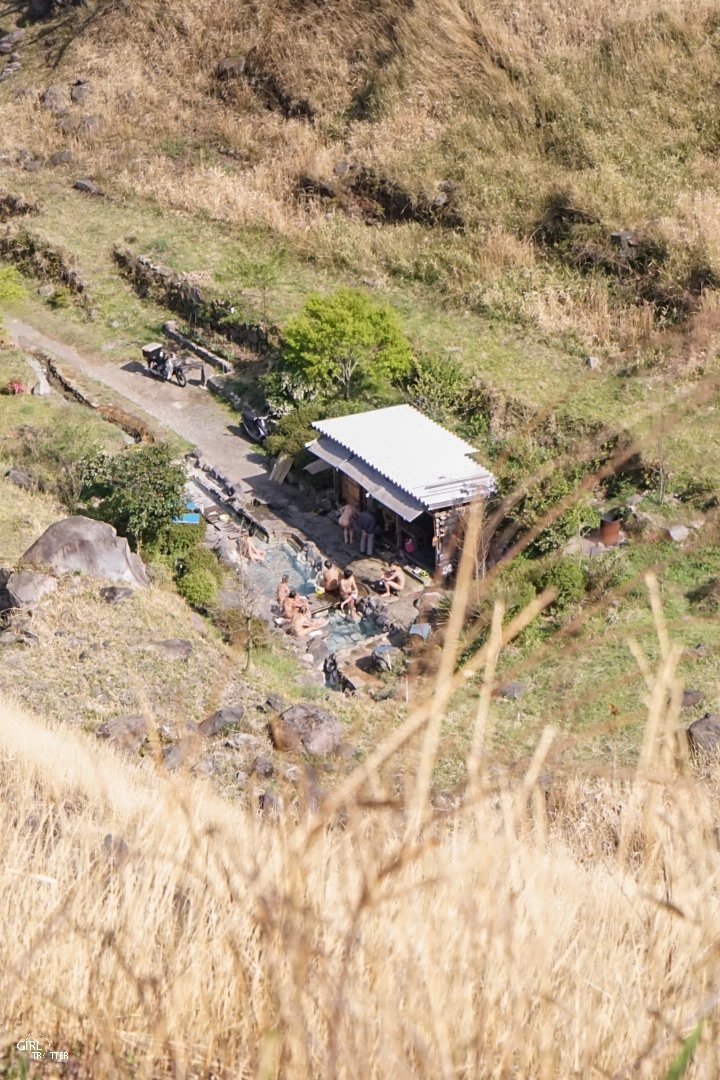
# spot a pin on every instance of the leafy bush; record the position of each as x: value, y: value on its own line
x: 605, y: 572
x: 515, y: 586
x: 437, y: 387
x: 198, y: 576
x: 140, y: 490
x: 199, y: 558
x: 194, y: 569
x: 293, y: 430
x: 555, y: 488
x: 566, y: 576
x: 176, y: 540
x: 199, y: 587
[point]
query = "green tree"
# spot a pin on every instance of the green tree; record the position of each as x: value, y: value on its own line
x: 139, y: 491
x: 345, y: 340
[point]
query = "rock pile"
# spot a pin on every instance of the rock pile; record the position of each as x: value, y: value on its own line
x: 9, y: 45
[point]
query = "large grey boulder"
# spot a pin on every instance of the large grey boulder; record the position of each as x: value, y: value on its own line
x: 116, y: 594
x: 704, y: 736
x: 21, y: 479
x: 80, y: 92
x: 218, y: 721
x: 55, y: 98
x: 173, y: 648
x: 129, y: 732
x: 308, y: 728
x: 186, y: 753
x: 25, y: 589
x: 83, y: 545
x: 318, y: 650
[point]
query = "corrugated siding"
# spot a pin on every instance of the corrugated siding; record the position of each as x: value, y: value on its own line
x: 411, y: 451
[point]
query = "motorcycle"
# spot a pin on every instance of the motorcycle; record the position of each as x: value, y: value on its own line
x: 257, y: 427
x: 167, y: 365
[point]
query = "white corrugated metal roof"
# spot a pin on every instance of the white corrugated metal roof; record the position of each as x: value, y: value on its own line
x: 420, y: 457
x: 381, y: 489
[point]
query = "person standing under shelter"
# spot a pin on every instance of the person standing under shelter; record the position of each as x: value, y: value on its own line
x: 346, y: 521
x: 366, y: 525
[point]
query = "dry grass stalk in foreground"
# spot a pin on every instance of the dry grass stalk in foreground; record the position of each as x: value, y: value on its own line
x: 209, y: 942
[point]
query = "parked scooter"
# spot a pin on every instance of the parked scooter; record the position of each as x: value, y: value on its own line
x: 256, y: 426
x: 167, y: 365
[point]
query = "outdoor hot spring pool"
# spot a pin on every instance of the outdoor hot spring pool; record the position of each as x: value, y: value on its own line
x: 282, y: 557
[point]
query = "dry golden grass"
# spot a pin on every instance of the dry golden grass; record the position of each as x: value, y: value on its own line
x: 518, y: 936
x: 23, y: 519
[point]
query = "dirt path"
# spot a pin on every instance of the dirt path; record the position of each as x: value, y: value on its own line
x: 192, y: 412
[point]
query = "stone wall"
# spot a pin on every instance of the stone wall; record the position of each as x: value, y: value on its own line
x: 37, y: 257
x: 15, y: 205
x: 178, y: 293
x: 132, y: 425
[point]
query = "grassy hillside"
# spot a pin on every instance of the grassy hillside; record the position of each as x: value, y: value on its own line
x: 480, y: 156
x: 500, y: 105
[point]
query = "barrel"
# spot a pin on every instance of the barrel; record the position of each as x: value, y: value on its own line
x: 609, y: 530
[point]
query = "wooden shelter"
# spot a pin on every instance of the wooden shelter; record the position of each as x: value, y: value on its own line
x: 414, y: 474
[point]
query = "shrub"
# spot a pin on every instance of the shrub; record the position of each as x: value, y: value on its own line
x: 194, y: 569
x: 515, y: 586
x: 605, y: 572
x: 240, y: 628
x: 176, y: 540
x: 527, y: 459
x: 11, y: 287
x: 566, y: 576
x: 199, y: 558
x: 199, y: 587
x: 57, y: 457
x: 437, y: 387
x: 293, y: 430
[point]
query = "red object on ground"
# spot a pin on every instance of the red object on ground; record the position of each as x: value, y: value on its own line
x: 16, y: 387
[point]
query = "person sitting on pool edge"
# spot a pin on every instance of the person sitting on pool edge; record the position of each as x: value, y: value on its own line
x: 348, y: 593
x: 329, y: 577
x: 392, y: 581
x: 250, y: 550
x: 294, y: 604
x: 283, y: 590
